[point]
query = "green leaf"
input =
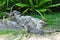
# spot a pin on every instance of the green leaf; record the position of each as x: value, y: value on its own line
x: 44, y: 1
x: 31, y: 3
x: 2, y: 3
x: 22, y: 5
x: 7, y: 3
x: 42, y: 10
x: 36, y: 2
x: 8, y: 8
x: 52, y: 5
x: 40, y: 13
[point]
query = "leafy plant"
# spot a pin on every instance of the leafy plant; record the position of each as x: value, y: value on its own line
x: 5, y: 5
x: 2, y: 3
x: 28, y: 5
x: 36, y: 5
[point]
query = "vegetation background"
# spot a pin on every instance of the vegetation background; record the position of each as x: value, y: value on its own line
x: 48, y: 10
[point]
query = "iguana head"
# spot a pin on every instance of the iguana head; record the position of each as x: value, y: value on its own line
x: 15, y: 12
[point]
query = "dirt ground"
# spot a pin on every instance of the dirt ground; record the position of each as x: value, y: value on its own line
x: 53, y: 36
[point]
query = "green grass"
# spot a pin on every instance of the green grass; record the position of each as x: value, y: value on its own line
x: 53, y: 21
x: 14, y: 32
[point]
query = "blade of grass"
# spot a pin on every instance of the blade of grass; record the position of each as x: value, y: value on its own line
x: 25, y: 11
x: 40, y: 14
